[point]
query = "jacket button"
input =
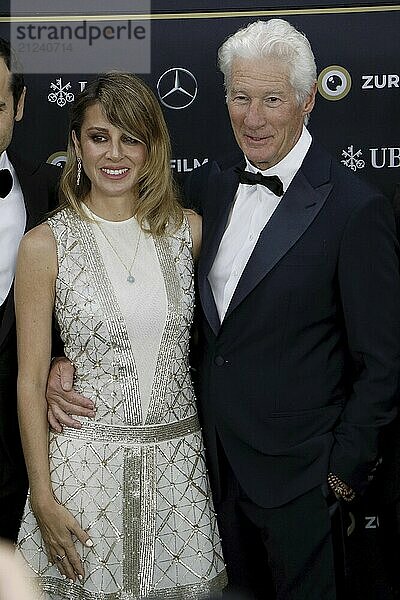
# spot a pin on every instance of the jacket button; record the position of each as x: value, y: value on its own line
x: 219, y: 361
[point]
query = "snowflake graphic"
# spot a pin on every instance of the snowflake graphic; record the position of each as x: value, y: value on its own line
x: 352, y: 159
x: 60, y: 93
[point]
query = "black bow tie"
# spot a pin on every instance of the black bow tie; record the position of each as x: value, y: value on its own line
x: 6, y: 182
x: 273, y: 182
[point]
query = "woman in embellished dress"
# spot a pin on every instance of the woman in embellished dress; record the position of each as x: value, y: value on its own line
x: 120, y: 508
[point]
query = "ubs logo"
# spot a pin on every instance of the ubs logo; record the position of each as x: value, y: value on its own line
x: 334, y: 82
x: 60, y: 94
x: 177, y: 88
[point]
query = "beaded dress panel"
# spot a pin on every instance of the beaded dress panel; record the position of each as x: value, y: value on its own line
x: 137, y: 484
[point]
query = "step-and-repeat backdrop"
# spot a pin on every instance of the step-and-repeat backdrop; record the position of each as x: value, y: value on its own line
x: 357, y: 52
x: 174, y: 46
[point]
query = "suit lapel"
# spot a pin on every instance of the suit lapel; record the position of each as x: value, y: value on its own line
x: 298, y: 208
x: 294, y: 214
x: 221, y: 191
x: 34, y: 204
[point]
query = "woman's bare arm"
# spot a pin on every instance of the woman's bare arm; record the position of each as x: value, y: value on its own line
x: 34, y: 300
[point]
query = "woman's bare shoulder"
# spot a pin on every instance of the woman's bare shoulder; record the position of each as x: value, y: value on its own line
x: 38, y: 244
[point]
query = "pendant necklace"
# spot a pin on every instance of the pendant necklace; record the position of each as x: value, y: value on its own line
x: 130, y: 278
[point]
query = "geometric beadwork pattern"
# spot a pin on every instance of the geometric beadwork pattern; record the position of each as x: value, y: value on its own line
x: 139, y: 487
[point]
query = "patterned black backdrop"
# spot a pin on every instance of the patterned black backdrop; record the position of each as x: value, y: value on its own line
x: 356, y: 117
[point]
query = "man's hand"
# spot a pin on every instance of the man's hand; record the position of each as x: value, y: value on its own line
x: 62, y: 400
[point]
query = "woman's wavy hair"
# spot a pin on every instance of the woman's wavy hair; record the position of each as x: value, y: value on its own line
x: 129, y: 104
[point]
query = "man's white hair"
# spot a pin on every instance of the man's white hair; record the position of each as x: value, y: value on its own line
x: 274, y: 38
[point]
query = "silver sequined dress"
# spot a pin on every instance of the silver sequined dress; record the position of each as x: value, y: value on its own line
x: 138, y: 485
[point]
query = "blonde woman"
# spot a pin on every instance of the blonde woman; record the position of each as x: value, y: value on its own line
x: 120, y: 508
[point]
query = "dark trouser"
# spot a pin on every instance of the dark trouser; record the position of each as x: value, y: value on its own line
x: 11, y: 509
x: 13, y: 478
x: 282, y: 553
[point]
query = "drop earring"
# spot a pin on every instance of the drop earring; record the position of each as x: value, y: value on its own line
x: 79, y: 171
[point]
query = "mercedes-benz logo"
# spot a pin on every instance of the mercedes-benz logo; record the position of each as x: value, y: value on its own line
x: 177, y: 88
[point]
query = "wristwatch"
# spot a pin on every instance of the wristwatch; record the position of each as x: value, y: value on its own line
x: 341, y: 490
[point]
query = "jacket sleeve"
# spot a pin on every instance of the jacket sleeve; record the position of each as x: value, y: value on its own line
x: 369, y: 286
x: 195, y: 184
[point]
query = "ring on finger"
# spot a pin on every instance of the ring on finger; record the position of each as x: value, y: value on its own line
x: 59, y: 557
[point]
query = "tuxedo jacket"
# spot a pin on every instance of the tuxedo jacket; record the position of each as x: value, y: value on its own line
x: 39, y: 186
x: 303, y: 372
x: 386, y: 489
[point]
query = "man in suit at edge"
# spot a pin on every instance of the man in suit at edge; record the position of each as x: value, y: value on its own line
x: 300, y: 332
x: 26, y: 193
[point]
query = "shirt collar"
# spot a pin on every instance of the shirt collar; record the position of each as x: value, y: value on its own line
x: 5, y: 162
x: 287, y: 168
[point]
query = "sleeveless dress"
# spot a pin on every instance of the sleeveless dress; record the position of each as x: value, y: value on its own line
x: 134, y: 476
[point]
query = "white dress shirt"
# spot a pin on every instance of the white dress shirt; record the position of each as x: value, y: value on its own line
x: 252, y: 208
x: 12, y: 227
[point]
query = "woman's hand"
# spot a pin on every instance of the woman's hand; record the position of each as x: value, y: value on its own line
x: 58, y: 528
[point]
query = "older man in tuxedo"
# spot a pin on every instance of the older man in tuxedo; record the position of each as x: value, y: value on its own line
x: 26, y: 193
x: 300, y: 326
x: 299, y: 286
